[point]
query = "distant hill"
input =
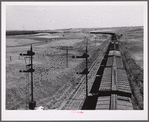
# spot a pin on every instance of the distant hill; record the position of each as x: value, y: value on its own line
x: 9, y: 33
x: 68, y: 30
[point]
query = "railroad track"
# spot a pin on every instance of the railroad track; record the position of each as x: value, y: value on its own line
x: 108, y: 84
x: 79, y: 91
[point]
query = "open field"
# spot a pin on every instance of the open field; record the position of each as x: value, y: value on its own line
x: 133, y: 39
x: 53, y: 81
x: 132, y: 51
x: 51, y: 77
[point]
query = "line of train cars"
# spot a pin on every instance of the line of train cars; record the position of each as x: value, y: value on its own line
x: 123, y: 92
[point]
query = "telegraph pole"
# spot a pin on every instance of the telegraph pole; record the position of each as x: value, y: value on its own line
x: 66, y: 56
x: 95, y: 40
x: 85, y: 71
x: 66, y: 48
x: 32, y: 94
x: 30, y: 53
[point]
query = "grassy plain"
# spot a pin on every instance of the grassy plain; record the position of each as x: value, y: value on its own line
x: 52, y: 80
x: 132, y: 50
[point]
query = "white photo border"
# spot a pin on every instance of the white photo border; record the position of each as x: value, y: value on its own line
x: 15, y: 115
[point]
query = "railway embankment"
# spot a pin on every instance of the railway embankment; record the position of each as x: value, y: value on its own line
x: 135, y: 77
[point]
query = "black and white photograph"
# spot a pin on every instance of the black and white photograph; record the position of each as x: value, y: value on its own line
x: 74, y: 60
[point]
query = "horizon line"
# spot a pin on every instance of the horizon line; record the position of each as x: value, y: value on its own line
x: 77, y: 28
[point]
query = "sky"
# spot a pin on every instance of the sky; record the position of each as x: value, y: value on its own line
x: 48, y: 17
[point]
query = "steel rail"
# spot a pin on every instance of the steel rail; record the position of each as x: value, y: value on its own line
x: 69, y: 99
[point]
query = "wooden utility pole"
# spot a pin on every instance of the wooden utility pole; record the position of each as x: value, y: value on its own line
x: 85, y: 71
x: 95, y: 40
x: 66, y: 57
x: 66, y: 48
x: 30, y: 53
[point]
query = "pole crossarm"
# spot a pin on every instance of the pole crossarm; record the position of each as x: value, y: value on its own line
x: 85, y: 71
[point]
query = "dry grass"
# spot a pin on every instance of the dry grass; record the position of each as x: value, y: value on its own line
x: 52, y: 80
x: 135, y: 76
x: 132, y: 54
